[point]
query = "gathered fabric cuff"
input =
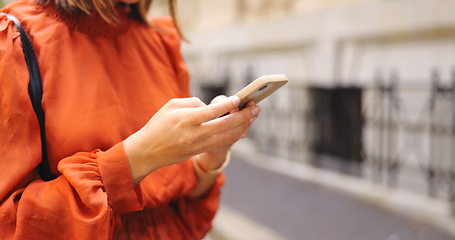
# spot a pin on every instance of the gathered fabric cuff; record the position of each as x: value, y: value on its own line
x: 117, y: 180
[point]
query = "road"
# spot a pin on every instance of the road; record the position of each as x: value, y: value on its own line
x: 296, y: 209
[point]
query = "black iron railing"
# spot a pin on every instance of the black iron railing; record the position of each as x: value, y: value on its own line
x: 390, y: 132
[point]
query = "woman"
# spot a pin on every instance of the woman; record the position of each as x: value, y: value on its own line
x: 133, y: 156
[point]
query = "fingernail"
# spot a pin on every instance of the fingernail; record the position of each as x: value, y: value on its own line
x: 242, y: 136
x: 233, y: 111
x: 255, y: 110
x: 236, y: 100
x: 252, y: 120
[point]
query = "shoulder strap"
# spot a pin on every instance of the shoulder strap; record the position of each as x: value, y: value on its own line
x: 35, y: 91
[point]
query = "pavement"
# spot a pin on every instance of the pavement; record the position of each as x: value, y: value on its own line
x: 274, y: 199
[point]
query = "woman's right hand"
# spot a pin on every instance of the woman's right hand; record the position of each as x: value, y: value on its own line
x: 181, y: 129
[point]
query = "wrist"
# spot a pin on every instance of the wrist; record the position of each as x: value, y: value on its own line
x: 139, y: 163
x: 213, y: 159
x: 210, y: 165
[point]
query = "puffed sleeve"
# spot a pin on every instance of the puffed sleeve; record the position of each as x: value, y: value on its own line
x: 84, y: 202
x: 171, y: 41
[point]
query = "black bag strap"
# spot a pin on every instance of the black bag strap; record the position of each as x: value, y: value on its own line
x: 35, y: 90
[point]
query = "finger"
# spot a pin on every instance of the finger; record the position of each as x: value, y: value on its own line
x: 244, y: 134
x: 225, y: 139
x: 250, y: 104
x: 234, y: 110
x: 218, y: 99
x: 244, y: 117
x: 191, y: 102
x: 213, y: 111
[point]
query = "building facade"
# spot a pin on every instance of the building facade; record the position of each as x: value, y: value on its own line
x: 372, y: 82
x: 371, y: 89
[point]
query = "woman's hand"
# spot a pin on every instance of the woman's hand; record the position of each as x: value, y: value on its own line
x: 183, y: 128
x: 214, y: 158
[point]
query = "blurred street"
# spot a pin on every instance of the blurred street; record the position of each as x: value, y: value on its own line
x: 360, y: 143
x: 288, y: 208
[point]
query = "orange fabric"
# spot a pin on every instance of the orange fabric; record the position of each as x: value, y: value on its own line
x: 101, y: 84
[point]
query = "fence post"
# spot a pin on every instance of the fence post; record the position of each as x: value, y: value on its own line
x: 379, y: 103
x: 452, y: 150
x: 431, y: 171
x: 392, y: 164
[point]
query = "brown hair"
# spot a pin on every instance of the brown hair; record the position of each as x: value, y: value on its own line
x: 106, y: 9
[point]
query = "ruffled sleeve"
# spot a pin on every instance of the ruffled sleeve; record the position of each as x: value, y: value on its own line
x: 84, y: 202
x: 169, y: 213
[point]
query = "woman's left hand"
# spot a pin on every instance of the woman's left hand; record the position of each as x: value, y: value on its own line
x: 215, y: 158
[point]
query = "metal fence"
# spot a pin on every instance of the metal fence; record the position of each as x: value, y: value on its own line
x: 396, y: 134
x: 413, y: 126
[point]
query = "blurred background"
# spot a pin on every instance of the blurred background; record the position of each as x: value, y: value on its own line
x: 360, y: 143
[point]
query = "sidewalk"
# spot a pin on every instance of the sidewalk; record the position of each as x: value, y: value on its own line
x: 313, y: 198
x: 229, y: 224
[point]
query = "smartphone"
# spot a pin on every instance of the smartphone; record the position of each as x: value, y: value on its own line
x: 261, y: 88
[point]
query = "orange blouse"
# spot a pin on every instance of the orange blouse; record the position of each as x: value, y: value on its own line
x: 101, y: 83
